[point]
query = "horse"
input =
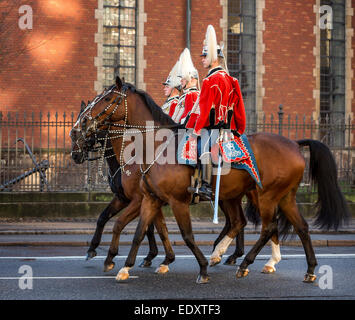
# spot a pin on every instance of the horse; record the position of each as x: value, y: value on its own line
x: 80, y: 149
x: 125, y: 197
x: 280, y: 163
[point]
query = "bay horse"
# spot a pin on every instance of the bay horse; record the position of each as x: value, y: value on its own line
x: 281, y: 167
x: 125, y: 197
x: 79, y: 152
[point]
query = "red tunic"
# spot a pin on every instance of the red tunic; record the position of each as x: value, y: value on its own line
x: 185, y: 104
x: 170, y: 104
x: 220, y: 92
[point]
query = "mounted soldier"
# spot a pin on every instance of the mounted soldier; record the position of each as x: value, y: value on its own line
x: 190, y: 87
x: 220, y: 104
x: 172, y: 88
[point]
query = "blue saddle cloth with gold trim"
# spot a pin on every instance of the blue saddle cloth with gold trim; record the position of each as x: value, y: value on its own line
x: 237, y: 153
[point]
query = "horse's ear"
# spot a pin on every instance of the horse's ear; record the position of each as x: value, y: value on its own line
x: 118, y: 83
x: 83, y: 106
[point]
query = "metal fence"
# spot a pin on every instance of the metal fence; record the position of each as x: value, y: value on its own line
x: 47, y: 165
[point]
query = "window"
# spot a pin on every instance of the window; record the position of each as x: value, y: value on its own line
x: 119, y: 43
x: 241, y: 54
x: 332, y: 75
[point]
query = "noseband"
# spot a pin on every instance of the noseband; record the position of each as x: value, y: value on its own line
x: 96, y: 122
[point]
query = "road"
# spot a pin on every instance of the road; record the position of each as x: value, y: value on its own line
x: 53, y: 254
x: 62, y: 273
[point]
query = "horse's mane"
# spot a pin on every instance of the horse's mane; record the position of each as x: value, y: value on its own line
x: 158, y: 114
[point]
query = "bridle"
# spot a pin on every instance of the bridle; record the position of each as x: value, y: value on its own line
x: 80, y: 125
x: 97, y: 122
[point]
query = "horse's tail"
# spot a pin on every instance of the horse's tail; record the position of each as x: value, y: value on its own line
x: 332, y: 209
x: 252, y: 213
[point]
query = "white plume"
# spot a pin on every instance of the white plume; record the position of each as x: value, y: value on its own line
x: 211, y: 44
x: 188, y: 70
x: 174, y: 75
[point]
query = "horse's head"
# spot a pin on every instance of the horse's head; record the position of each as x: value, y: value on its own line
x: 110, y: 106
x: 79, y: 151
x: 94, y: 119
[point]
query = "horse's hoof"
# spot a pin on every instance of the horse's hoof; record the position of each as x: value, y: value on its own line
x: 309, y: 278
x: 214, y: 261
x: 230, y: 261
x: 108, y: 267
x: 268, y: 269
x: 163, y: 268
x: 203, y: 279
x: 145, y: 264
x: 241, y: 273
x: 90, y: 255
x: 122, y: 275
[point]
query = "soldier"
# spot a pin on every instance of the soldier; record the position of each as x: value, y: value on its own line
x: 220, y: 102
x: 172, y: 89
x: 189, y: 85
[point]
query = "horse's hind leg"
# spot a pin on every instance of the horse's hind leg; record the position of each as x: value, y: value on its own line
x: 111, y: 210
x: 289, y: 207
x: 153, y: 249
x: 269, y: 267
x: 162, y: 230
x: 239, y: 249
x: 268, y: 229
x: 237, y: 220
x: 226, y: 227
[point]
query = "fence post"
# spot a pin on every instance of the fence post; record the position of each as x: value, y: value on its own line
x: 281, y: 115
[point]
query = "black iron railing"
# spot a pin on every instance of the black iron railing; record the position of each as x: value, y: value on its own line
x: 48, y: 139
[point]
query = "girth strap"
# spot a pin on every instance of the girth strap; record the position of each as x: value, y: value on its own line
x: 151, y: 192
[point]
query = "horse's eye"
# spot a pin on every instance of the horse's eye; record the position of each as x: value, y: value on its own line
x: 108, y: 99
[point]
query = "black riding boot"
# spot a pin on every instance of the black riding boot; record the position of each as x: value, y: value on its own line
x: 205, y: 190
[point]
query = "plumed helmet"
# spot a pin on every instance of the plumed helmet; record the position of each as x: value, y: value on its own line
x: 173, y: 79
x: 211, y: 50
x: 187, y: 70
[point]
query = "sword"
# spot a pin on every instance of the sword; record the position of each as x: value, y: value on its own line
x: 223, y: 136
x: 216, y: 196
x: 218, y: 180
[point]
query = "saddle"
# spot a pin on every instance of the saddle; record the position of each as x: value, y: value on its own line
x: 234, y: 150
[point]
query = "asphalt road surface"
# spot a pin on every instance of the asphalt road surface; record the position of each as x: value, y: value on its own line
x: 62, y: 273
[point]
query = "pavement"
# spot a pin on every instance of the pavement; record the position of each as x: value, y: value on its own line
x: 79, y: 231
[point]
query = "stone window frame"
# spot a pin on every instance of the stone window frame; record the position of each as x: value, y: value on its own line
x: 140, y: 42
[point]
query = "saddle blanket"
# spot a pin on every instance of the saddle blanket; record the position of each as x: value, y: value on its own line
x: 236, y: 152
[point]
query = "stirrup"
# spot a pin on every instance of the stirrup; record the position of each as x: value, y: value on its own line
x: 204, y: 192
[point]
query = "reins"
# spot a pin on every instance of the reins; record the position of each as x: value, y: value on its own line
x: 117, y: 133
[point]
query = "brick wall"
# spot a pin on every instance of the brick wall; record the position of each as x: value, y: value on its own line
x: 288, y: 57
x: 58, y: 72
x: 353, y: 64
x: 166, y: 38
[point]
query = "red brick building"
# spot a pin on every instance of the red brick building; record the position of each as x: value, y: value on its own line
x: 282, y: 52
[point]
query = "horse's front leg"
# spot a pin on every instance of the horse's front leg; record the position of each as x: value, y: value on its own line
x: 111, y: 210
x: 182, y: 216
x: 149, y: 208
x: 153, y: 249
x: 160, y: 225
x: 131, y: 212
